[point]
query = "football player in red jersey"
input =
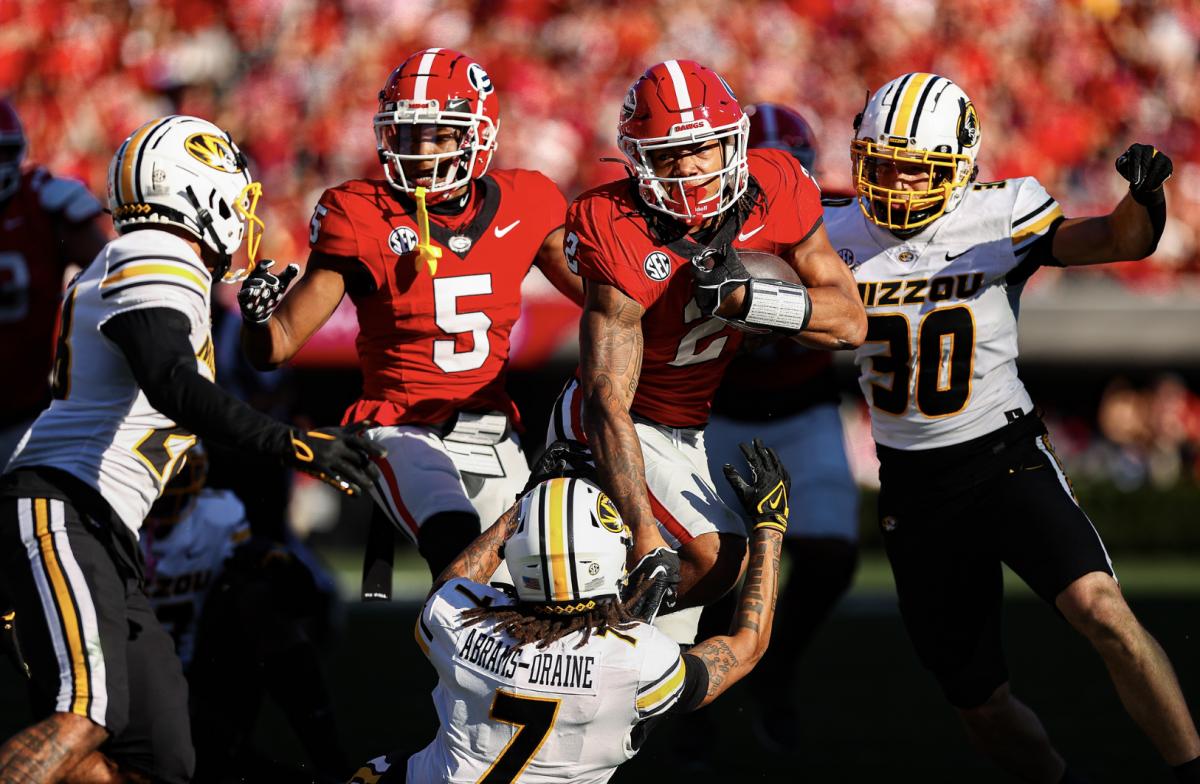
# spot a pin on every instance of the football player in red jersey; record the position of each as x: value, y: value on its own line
x: 787, y: 395
x: 47, y: 225
x: 652, y: 346
x: 432, y: 255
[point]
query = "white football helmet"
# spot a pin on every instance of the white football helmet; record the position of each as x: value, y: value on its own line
x: 918, y: 119
x: 187, y: 172
x: 570, y: 545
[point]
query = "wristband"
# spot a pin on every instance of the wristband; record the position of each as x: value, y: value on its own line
x: 778, y: 306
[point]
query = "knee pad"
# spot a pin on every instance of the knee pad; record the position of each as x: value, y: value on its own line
x: 443, y: 536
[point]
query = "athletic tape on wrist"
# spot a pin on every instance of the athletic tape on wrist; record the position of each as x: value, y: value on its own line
x: 776, y: 305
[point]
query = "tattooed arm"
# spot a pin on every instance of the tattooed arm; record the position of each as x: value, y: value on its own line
x: 610, y: 350
x: 730, y: 658
x: 481, y: 558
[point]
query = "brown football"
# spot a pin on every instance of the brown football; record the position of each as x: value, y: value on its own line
x: 760, y: 265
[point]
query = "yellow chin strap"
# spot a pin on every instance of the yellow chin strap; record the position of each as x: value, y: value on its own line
x: 427, y: 252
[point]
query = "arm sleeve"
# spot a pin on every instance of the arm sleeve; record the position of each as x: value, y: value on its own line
x: 1035, y: 220
x: 155, y: 343
x: 595, y: 252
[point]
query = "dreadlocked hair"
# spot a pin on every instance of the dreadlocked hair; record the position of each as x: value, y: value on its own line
x: 531, y: 623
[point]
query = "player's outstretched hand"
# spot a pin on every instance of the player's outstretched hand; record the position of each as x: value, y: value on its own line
x: 653, y: 584
x: 262, y: 291
x: 765, y: 495
x: 1146, y: 168
x: 339, y: 456
x: 717, y: 273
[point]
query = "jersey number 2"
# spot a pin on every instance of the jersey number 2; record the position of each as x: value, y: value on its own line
x: 533, y: 717
x: 945, y: 347
x: 446, y: 292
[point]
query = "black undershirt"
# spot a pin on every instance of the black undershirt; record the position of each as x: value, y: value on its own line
x: 155, y: 342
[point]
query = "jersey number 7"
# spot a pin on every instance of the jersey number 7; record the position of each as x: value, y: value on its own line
x: 533, y: 717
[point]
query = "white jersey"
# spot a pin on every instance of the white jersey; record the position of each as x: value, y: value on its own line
x: 100, y: 428
x: 181, y: 566
x: 558, y: 714
x: 938, y: 366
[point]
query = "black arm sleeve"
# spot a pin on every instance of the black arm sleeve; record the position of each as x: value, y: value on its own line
x: 695, y: 685
x: 1038, y: 254
x: 156, y: 345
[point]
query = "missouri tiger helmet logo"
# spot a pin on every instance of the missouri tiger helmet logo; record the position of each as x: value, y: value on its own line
x: 213, y: 151
x: 607, y: 516
x: 968, y: 126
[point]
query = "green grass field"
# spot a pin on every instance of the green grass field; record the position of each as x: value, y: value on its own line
x: 870, y: 713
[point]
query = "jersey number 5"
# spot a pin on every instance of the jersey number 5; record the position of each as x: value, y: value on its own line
x: 945, y: 348
x: 533, y: 717
x: 446, y: 292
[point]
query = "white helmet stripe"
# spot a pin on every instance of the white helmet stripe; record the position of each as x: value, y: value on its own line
x: 681, y: 91
x: 423, y: 75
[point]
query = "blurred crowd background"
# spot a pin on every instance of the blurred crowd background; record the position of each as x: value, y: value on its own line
x: 1061, y: 88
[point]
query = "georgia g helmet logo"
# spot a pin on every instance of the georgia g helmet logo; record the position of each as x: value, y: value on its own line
x: 213, y: 151
x: 479, y: 79
x: 606, y: 515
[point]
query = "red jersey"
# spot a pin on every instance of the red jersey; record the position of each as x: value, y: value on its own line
x: 610, y: 241
x: 32, y: 266
x: 430, y: 346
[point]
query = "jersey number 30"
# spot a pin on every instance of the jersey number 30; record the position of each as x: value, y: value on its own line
x: 533, y: 717
x: 945, y: 347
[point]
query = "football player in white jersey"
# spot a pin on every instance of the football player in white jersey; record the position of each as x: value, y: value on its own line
x: 562, y: 684
x: 132, y: 391
x: 968, y: 476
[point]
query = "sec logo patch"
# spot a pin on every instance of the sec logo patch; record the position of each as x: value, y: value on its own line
x: 657, y: 266
x: 402, y: 240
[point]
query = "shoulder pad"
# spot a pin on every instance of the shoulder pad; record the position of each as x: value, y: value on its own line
x: 69, y: 197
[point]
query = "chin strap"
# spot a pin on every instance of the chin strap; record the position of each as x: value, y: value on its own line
x: 427, y: 252
x: 205, y: 219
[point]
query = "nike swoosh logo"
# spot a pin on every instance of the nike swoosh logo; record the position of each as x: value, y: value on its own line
x: 501, y: 232
x: 964, y: 253
x: 749, y: 234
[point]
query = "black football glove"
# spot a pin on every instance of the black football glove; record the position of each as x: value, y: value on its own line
x: 339, y: 456
x: 563, y: 459
x: 653, y: 584
x: 1146, y: 168
x: 765, y: 496
x: 262, y: 291
x: 717, y: 273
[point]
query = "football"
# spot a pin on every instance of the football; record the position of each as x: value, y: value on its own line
x: 767, y: 265
x: 759, y: 264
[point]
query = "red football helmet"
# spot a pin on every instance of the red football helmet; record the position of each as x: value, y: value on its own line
x: 680, y: 103
x: 439, y: 87
x: 779, y: 128
x: 12, y: 150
